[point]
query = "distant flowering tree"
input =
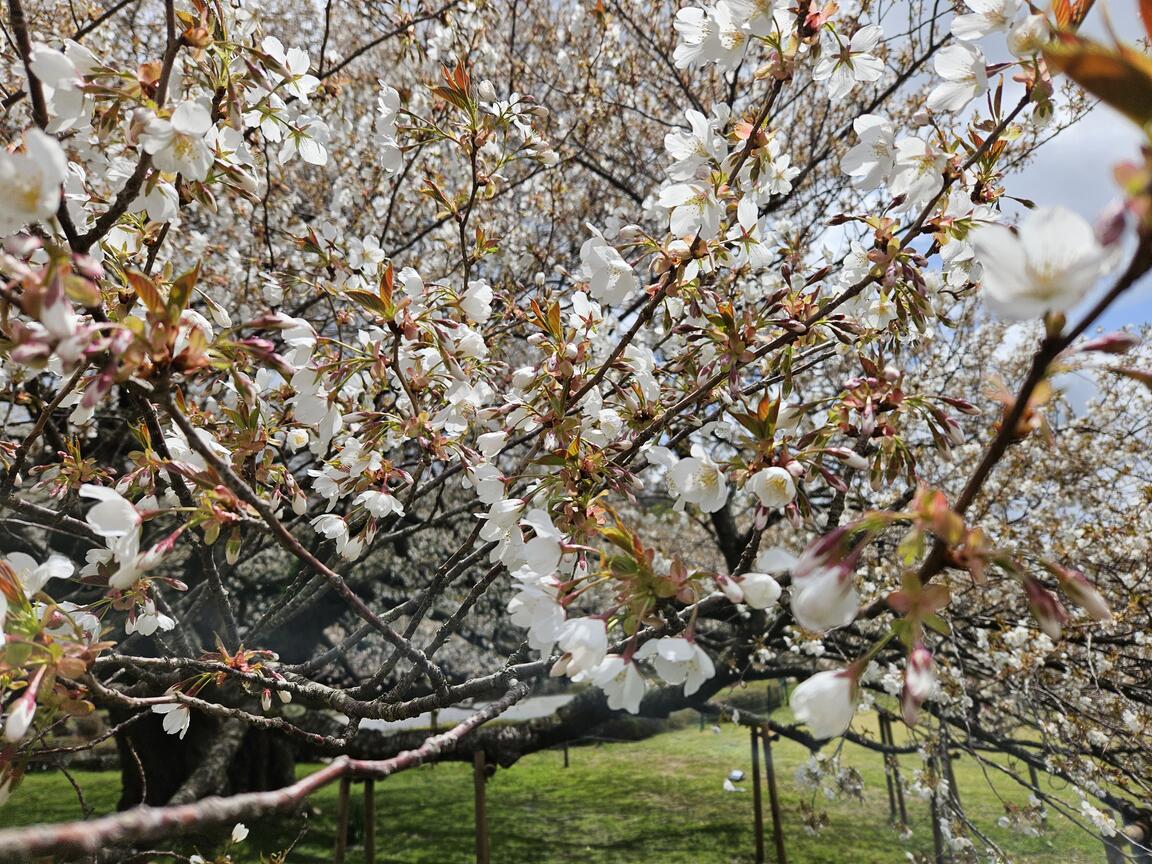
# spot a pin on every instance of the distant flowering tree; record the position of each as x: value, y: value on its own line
x: 348, y: 379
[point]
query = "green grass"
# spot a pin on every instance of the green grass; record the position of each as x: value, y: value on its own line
x: 655, y: 800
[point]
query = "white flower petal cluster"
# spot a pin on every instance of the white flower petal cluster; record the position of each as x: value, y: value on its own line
x: 987, y: 16
x: 910, y: 167
x: 61, y: 75
x: 826, y: 702
x: 844, y: 65
x: 621, y: 682
x: 965, y: 75
x: 1048, y: 266
x: 610, y: 278
x: 179, y: 144
x: 30, y: 181
x: 177, y: 718
x: 774, y: 487
x: 696, y: 480
x: 678, y: 661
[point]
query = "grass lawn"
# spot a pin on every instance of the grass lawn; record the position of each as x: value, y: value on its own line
x: 658, y: 800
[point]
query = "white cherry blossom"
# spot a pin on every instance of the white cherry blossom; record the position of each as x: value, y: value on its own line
x: 678, y: 661
x: 826, y: 703
x: 179, y: 144
x: 873, y: 159
x: 1048, y: 266
x: 774, y: 487
x: 621, y: 682
x: 694, y: 209
x: 610, y: 278
x: 987, y: 16
x: 30, y: 181
x: 584, y: 642
x: 177, y: 718
x: 963, y: 69
x: 759, y: 590
x: 825, y: 598
x: 844, y: 64
x: 698, y: 480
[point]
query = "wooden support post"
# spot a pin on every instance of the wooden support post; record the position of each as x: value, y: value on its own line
x: 890, y: 740
x: 946, y: 751
x: 479, y: 783
x: 342, y: 820
x: 773, y: 797
x: 565, y: 754
x: 935, y: 811
x: 757, y: 798
x: 953, y: 786
x: 369, y: 821
x: 888, y: 769
x: 1034, y: 779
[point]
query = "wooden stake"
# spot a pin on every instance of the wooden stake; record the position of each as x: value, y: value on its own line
x: 1034, y: 778
x: 342, y: 820
x: 934, y: 809
x: 479, y: 782
x: 565, y: 754
x: 888, y: 769
x: 890, y: 740
x: 953, y: 788
x: 370, y: 821
x: 773, y: 798
x: 757, y: 801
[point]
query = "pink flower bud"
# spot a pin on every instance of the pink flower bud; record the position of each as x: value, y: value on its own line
x: 919, y: 682
x: 731, y: 589
x: 1082, y: 592
x: 21, y: 712
x: 1110, y: 224
x: 1046, y: 608
x: 1111, y: 343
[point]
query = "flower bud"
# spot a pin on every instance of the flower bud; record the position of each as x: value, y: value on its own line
x: 20, y: 716
x: 1082, y: 592
x: 919, y: 682
x: 1111, y: 343
x: 826, y: 702
x: 731, y: 589
x: 1046, y: 608
x: 760, y: 590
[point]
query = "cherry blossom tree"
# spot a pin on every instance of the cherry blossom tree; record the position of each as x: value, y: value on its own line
x: 362, y: 360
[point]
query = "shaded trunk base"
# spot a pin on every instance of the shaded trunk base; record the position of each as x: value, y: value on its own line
x: 214, y: 758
